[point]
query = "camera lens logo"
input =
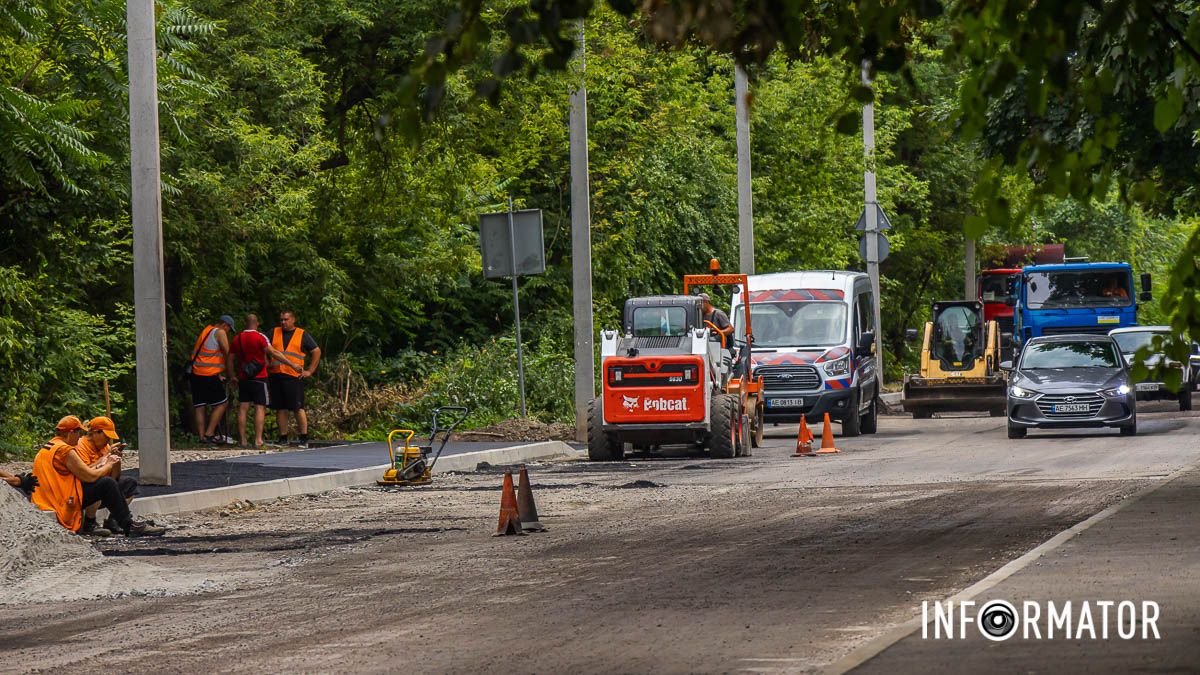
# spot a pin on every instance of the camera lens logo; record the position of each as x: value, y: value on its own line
x: 998, y: 620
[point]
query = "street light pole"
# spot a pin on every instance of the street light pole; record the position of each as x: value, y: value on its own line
x: 872, y: 213
x: 149, y: 295
x: 741, y: 87
x: 581, y: 251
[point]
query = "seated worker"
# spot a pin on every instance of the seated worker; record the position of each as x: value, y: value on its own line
x: 66, y: 485
x: 1113, y: 289
x: 93, y: 449
x: 26, y: 482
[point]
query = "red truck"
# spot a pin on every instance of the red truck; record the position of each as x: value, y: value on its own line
x: 997, y: 285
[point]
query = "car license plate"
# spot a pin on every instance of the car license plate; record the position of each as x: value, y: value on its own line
x: 1071, y: 407
x: 786, y: 402
x: 1147, y: 386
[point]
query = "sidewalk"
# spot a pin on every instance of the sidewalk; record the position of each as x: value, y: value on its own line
x: 214, y: 482
x: 1149, y: 550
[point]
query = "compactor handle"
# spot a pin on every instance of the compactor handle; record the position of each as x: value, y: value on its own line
x: 407, y: 440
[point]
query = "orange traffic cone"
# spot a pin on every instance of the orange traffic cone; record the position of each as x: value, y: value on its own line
x: 827, y: 439
x: 804, y: 440
x: 510, y: 520
x: 525, y: 506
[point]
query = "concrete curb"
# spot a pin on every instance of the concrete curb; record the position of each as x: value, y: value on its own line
x: 321, y: 482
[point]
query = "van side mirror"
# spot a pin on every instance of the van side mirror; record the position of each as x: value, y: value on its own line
x: 866, y: 342
x: 1006, y: 365
x: 911, y: 334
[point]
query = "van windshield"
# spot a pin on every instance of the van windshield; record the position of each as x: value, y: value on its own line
x: 794, y: 324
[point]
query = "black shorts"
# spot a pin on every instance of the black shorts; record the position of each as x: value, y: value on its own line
x: 287, y: 393
x: 254, y: 391
x: 208, y: 390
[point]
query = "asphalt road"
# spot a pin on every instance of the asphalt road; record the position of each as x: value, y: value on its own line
x: 668, y: 564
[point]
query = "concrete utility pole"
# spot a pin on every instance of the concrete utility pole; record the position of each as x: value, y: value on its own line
x: 969, y: 290
x: 745, y: 192
x: 149, y: 296
x: 872, y: 232
x: 581, y: 251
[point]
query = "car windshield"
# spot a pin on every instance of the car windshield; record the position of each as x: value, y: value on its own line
x: 795, y: 324
x: 1089, y: 354
x: 997, y: 287
x: 956, y: 335
x: 1134, y: 340
x: 1082, y: 288
x: 659, y: 321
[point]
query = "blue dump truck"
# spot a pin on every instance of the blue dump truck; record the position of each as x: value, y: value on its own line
x: 1076, y: 298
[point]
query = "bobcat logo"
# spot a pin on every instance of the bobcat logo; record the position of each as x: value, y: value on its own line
x: 631, y: 403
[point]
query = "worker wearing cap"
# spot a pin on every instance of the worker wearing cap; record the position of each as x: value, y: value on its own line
x: 93, y: 449
x: 209, y: 361
x: 66, y: 484
x: 717, y: 318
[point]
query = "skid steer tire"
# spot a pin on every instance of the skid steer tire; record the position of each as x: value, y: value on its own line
x: 722, y: 443
x: 601, y: 446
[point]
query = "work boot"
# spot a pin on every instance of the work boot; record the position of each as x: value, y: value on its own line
x: 91, y: 529
x: 113, y: 526
x: 138, y: 528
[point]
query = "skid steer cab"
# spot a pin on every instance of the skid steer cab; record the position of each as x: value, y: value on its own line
x: 960, y: 363
x: 670, y: 378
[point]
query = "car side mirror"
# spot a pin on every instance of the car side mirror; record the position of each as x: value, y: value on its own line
x: 1006, y: 365
x: 911, y: 334
x: 866, y: 342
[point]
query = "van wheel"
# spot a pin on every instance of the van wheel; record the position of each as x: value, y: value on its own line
x: 722, y: 442
x: 870, y: 421
x: 852, y: 425
x: 601, y: 446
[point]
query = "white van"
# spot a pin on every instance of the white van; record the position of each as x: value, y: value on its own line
x: 814, y: 346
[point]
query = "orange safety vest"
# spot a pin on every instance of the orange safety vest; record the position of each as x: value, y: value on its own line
x: 58, y: 489
x: 210, y: 360
x: 88, y: 453
x: 292, y: 353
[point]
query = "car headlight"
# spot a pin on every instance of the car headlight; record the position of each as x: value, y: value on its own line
x: 1017, y: 392
x: 838, y: 367
x: 1117, y: 392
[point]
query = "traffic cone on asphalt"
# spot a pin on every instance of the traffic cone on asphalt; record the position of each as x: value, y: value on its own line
x: 827, y: 439
x: 510, y: 520
x: 525, y: 506
x: 804, y: 440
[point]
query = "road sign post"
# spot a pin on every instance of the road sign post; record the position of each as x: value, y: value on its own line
x: 872, y: 215
x: 512, y: 244
x: 581, y: 251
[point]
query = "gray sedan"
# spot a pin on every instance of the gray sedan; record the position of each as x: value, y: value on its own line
x: 1069, y: 381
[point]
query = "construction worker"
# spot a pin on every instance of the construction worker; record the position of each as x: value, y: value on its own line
x: 26, y: 482
x: 251, y: 350
x: 287, y: 374
x: 718, y: 318
x: 94, y: 449
x: 207, y: 368
x: 66, y: 485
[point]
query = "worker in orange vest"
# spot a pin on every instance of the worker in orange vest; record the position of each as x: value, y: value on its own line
x: 287, y: 375
x: 94, y: 449
x: 210, y: 361
x: 67, y: 486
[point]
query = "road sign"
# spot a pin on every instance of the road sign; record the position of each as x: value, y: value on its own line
x: 884, y: 223
x: 884, y: 247
x: 498, y: 253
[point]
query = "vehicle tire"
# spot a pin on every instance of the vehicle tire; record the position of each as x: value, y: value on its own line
x: 852, y: 425
x: 601, y: 446
x: 744, y: 434
x: 1015, y: 431
x: 922, y: 414
x: 1185, y: 397
x: 1131, y: 428
x: 757, y: 422
x: 722, y: 442
x: 870, y: 421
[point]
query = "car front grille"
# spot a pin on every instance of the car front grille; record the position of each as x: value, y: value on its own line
x: 1047, y: 402
x: 793, y: 378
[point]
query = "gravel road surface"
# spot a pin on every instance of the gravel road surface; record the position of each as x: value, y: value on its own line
x: 669, y: 564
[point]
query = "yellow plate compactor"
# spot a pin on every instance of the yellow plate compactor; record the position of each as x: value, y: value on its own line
x: 412, y: 464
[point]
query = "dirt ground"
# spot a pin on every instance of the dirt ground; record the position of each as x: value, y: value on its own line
x: 649, y: 565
